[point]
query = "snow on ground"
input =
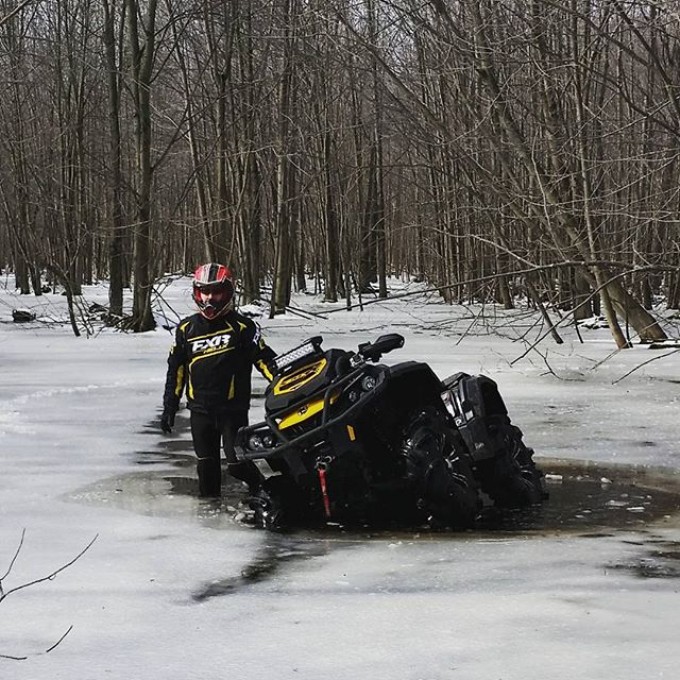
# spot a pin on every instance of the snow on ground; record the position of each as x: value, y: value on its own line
x: 174, y: 588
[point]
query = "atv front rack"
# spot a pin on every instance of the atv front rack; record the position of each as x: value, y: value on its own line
x: 269, y: 429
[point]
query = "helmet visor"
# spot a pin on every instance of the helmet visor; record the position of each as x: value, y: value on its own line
x: 212, y: 299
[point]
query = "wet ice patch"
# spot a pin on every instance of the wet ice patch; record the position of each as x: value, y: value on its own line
x: 661, y: 560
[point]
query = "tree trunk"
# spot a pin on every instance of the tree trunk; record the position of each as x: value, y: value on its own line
x: 142, y: 63
x: 285, y: 176
x: 115, y: 179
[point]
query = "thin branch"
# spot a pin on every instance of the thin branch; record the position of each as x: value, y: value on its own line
x: 643, y: 364
x: 14, y: 559
x: 59, y: 641
x: 15, y: 11
x: 51, y: 576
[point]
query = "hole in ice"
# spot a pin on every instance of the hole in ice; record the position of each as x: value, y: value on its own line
x: 584, y: 497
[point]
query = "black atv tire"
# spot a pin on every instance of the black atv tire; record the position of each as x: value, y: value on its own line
x: 268, y: 513
x: 274, y: 505
x: 439, y: 472
x: 512, y: 479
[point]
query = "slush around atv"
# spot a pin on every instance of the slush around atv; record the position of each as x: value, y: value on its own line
x: 350, y: 440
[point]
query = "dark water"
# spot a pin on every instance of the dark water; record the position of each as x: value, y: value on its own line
x: 583, y: 496
x: 588, y: 497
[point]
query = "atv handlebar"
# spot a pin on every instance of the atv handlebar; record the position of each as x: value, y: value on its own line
x: 372, y: 351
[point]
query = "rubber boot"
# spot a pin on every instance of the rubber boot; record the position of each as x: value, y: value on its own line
x: 209, y: 477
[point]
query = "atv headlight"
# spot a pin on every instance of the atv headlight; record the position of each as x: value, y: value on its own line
x: 261, y: 440
x: 255, y: 442
x: 368, y: 382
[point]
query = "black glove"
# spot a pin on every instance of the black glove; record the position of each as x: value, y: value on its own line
x: 167, y: 421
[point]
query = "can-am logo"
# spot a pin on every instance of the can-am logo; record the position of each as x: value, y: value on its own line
x: 205, y: 344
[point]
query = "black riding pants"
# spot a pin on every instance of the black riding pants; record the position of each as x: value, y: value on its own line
x: 210, y: 433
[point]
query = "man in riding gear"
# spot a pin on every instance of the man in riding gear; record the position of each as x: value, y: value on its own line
x: 212, y: 360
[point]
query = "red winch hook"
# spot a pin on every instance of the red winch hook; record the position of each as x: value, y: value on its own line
x: 321, y: 467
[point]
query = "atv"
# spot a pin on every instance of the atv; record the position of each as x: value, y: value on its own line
x: 349, y: 440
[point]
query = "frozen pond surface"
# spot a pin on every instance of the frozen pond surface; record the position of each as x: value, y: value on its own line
x: 585, y: 588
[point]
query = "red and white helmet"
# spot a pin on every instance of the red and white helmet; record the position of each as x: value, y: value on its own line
x: 213, y: 290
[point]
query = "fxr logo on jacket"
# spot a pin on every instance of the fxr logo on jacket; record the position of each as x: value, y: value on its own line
x: 210, y: 344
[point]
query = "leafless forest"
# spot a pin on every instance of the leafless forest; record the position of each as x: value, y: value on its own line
x: 495, y: 149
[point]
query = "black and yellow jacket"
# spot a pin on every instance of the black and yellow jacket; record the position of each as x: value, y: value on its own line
x: 213, y: 360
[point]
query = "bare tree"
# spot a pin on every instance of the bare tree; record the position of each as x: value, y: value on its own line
x: 498, y: 150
